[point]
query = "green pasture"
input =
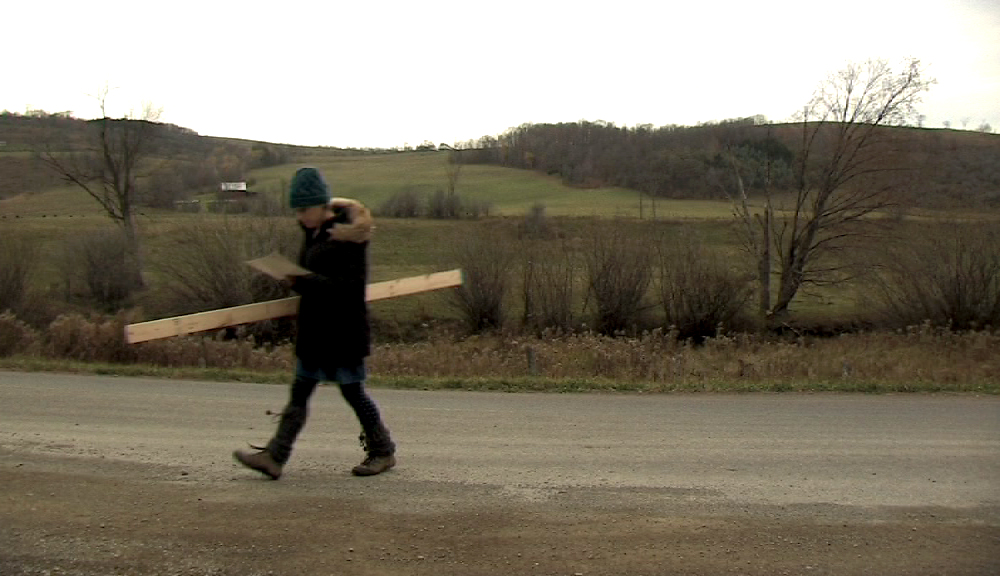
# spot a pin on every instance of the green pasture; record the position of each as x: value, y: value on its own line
x: 510, y: 192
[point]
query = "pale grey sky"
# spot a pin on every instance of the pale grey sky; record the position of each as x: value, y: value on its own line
x: 388, y: 73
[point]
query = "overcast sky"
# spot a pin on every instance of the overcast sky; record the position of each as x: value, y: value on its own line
x: 389, y: 73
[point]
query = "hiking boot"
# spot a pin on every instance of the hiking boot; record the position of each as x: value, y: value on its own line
x: 373, y: 465
x: 260, y: 461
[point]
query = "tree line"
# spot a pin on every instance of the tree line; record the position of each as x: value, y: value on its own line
x: 665, y: 162
x: 935, y: 168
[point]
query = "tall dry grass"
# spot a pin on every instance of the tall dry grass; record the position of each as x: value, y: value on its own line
x: 921, y: 358
x: 102, y: 339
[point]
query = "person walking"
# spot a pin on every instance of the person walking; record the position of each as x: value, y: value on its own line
x: 333, y: 336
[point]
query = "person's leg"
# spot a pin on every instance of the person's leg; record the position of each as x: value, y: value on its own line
x: 375, y: 437
x: 293, y: 418
x: 376, y: 434
x: 270, y: 459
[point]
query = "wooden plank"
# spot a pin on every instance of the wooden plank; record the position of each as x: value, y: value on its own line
x: 222, y: 318
x: 211, y: 320
x: 413, y: 285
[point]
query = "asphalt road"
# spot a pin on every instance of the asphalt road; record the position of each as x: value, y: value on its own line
x: 862, y: 458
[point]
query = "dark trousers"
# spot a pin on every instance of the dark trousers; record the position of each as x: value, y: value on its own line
x: 374, y: 436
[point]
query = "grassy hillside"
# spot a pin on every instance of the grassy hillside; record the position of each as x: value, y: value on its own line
x: 374, y: 179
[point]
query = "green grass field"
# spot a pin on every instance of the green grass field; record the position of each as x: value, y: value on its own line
x: 374, y: 179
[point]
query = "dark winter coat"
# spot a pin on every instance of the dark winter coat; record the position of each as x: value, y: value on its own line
x: 333, y: 327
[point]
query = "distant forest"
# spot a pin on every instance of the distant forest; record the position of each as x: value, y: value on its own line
x: 933, y: 167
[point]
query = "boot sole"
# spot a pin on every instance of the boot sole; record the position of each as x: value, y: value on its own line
x: 239, y: 458
x: 358, y: 471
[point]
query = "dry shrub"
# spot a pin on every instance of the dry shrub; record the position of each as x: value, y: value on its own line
x: 18, y: 259
x: 701, y: 295
x: 476, y: 209
x: 549, y: 275
x: 951, y: 278
x: 444, y: 205
x: 403, y: 204
x: 208, y: 352
x: 485, y: 259
x: 97, y: 267
x: 102, y: 339
x: 207, y: 268
x: 536, y: 223
x: 93, y: 339
x: 619, y: 273
x: 16, y: 337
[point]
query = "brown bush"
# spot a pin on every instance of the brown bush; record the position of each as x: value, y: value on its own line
x: 16, y: 337
x: 444, y: 205
x: 485, y: 259
x: 950, y: 278
x: 89, y: 339
x: 402, y: 204
x: 165, y: 187
x: 102, y: 339
x: 206, y: 351
x: 96, y: 267
x: 619, y: 273
x: 18, y: 258
x: 207, y: 268
x: 549, y: 275
x: 536, y: 223
x: 700, y: 294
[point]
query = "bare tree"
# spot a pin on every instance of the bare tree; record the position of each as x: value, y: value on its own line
x: 755, y: 229
x: 840, y: 179
x: 454, y: 170
x: 107, y: 170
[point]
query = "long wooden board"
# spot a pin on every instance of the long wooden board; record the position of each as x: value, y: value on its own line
x: 216, y: 319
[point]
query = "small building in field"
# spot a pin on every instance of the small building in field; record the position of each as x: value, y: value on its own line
x: 233, y: 190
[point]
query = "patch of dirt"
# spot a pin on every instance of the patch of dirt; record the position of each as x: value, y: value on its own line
x: 91, y: 516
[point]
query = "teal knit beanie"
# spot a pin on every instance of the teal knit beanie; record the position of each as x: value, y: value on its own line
x: 308, y: 189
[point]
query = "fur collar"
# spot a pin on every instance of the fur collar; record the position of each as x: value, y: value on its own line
x: 359, y: 225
